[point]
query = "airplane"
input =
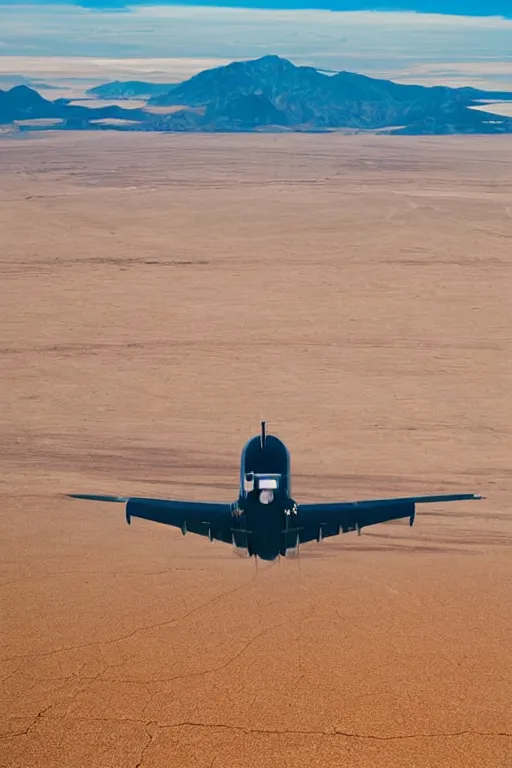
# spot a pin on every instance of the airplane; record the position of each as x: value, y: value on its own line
x: 265, y: 521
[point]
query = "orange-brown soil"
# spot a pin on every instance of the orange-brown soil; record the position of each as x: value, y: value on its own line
x: 161, y: 294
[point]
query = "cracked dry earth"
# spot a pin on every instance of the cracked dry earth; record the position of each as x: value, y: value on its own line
x: 159, y: 295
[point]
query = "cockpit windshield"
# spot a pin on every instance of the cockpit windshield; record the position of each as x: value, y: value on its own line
x: 267, y: 483
x: 263, y: 484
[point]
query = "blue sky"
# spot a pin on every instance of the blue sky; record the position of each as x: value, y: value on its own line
x: 459, y: 7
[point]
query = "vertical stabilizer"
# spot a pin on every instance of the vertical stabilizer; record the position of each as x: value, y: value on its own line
x: 263, y: 435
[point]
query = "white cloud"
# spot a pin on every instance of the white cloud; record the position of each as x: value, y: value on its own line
x: 369, y: 42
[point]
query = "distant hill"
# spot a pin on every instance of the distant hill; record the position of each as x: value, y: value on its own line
x: 129, y: 89
x: 271, y: 93
x: 24, y: 103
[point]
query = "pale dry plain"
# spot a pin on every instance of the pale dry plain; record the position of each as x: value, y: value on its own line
x: 159, y: 295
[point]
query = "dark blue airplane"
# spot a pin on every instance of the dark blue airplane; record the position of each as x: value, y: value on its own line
x: 265, y: 521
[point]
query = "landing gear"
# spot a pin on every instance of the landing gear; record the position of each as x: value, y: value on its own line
x: 293, y: 551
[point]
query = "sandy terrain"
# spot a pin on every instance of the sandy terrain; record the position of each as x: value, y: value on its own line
x: 159, y: 295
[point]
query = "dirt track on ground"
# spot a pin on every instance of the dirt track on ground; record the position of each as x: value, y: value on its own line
x: 161, y: 294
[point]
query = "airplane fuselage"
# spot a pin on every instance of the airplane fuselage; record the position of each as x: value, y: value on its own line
x: 265, y: 521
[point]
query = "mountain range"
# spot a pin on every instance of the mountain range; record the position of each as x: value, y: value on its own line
x: 271, y: 93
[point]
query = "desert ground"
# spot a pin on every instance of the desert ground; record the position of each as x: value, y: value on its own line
x: 160, y: 294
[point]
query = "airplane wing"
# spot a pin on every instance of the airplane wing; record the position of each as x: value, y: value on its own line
x: 210, y: 519
x: 317, y: 521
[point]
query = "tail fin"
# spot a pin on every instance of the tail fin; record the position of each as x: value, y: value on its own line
x: 263, y: 436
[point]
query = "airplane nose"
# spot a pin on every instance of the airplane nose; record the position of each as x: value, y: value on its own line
x: 266, y: 497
